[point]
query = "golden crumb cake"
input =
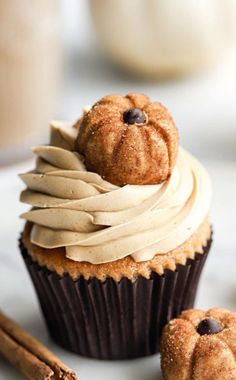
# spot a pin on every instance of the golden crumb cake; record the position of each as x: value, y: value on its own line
x: 118, y: 228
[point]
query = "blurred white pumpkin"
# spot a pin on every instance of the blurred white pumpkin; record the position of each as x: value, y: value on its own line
x: 164, y: 37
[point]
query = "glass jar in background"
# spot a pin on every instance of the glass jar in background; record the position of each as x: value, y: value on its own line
x: 30, y: 62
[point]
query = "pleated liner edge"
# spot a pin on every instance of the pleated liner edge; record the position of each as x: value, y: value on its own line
x: 114, y: 320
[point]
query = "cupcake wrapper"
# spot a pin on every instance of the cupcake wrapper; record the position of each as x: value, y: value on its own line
x: 114, y: 320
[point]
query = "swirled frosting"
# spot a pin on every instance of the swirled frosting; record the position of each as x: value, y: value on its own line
x: 99, y: 222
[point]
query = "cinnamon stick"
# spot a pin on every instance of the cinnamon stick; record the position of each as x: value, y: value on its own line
x: 30, y: 356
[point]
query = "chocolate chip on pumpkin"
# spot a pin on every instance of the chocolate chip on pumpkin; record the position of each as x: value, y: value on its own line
x: 209, y: 326
x: 134, y: 116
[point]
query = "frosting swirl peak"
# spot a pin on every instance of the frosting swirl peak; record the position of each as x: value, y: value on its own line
x: 99, y: 222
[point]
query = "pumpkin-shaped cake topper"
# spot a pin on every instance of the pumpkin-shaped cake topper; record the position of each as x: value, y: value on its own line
x: 128, y: 140
x: 200, y: 346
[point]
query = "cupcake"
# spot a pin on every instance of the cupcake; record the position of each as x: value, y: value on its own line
x: 200, y: 345
x: 118, y: 230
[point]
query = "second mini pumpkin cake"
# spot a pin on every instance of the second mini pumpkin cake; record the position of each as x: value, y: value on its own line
x: 118, y: 231
x: 200, y: 345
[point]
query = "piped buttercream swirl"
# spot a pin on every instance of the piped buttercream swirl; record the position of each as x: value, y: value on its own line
x: 99, y: 222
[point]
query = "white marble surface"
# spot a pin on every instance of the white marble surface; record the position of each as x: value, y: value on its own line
x: 204, y: 109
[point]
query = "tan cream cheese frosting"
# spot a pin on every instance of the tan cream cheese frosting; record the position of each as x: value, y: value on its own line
x: 99, y: 222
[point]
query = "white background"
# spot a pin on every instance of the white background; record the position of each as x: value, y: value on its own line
x: 204, y: 108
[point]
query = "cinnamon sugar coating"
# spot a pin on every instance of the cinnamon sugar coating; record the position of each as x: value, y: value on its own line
x: 55, y: 259
x: 128, y: 153
x: 187, y: 355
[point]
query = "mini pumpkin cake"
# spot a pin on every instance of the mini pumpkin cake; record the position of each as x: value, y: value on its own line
x: 200, y: 345
x: 129, y: 140
x: 118, y: 229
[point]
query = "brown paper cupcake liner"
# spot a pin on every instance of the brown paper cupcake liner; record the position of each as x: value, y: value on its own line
x: 114, y: 320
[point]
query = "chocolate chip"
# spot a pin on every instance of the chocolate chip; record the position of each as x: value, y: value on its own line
x: 134, y: 116
x: 209, y: 326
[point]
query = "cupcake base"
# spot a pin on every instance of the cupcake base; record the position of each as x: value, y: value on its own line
x: 114, y: 320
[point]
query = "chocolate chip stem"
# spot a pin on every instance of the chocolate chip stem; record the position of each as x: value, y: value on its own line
x: 134, y: 116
